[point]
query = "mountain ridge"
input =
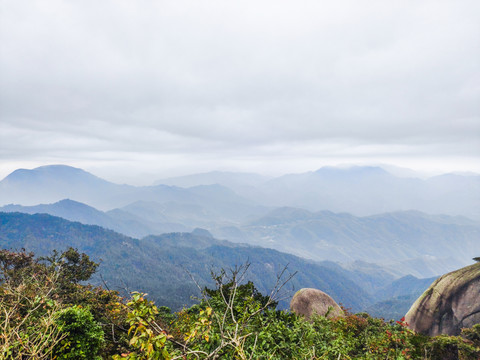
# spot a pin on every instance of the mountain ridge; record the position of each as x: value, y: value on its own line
x: 157, y: 264
x: 359, y: 190
x: 404, y: 242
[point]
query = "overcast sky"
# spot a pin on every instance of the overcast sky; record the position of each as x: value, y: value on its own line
x: 130, y: 89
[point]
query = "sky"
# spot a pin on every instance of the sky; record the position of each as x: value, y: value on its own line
x: 135, y: 91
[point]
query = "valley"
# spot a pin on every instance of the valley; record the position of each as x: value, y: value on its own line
x: 151, y: 238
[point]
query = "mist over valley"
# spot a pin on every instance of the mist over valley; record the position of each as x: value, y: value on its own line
x: 350, y: 216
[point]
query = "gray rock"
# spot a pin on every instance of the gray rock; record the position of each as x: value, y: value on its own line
x: 308, y: 302
x: 451, y: 303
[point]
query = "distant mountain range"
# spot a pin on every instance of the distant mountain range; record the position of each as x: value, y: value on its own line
x: 49, y: 184
x: 160, y: 265
x: 395, y: 299
x: 130, y: 223
x: 402, y: 242
x: 357, y: 190
x: 381, y: 233
x: 231, y: 180
x: 409, y: 242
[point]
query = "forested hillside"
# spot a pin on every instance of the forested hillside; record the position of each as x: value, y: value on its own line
x: 160, y: 265
x: 46, y: 312
x: 408, y: 242
x: 400, y: 237
x: 340, y: 214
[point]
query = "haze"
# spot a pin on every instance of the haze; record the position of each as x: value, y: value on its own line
x: 129, y: 89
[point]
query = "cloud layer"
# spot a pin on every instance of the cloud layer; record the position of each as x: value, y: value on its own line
x: 184, y: 85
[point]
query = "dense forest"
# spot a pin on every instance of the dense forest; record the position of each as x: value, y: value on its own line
x: 163, y: 265
x: 47, y: 311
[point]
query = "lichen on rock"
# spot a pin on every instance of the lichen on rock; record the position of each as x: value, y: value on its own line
x: 451, y: 303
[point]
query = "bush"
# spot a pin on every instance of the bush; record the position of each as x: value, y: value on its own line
x: 84, y: 337
x: 235, y: 321
x: 27, y: 310
x: 46, y: 314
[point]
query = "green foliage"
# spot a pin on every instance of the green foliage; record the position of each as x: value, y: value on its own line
x: 233, y: 320
x: 452, y: 348
x: 84, y: 337
x: 27, y: 308
x: 472, y: 334
x: 361, y: 337
x: 157, y: 264
x: 107, y: 309
x: 16, y: 266
x: 32, y: 294
x: 73, y: 266
x: 148, y: 339
x: 27, y: 318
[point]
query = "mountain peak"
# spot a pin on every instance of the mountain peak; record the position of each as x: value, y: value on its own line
x: 202, y: 232
x: 52, y: 183
x: 47, y: 171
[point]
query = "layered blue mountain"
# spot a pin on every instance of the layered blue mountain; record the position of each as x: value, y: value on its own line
x: 359, y: 190
x: 164, y: 265
x: 402, y: 242
x: 232, y: 180
x: 52, y: 183
x: 346, y: 214
x: 49, y: 184
x: 408, y: 242
x: 395, y: 299
x: 119, y: 220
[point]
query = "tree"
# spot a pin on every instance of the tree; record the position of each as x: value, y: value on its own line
x: 226, y: 324
x: 27, y: 308
x: 33, y: 292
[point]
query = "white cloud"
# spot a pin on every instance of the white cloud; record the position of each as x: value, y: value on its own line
x: 220, y: 82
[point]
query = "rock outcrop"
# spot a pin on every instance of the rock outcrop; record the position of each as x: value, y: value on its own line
x: 451, y: 303
x: 308, y: 302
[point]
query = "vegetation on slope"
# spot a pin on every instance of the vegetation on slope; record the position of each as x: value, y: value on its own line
x: 157, y: 264
x: 45, y: 312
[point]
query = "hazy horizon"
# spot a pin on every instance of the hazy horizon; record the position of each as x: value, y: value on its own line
x: 155, y: 178
x: 167, y: 88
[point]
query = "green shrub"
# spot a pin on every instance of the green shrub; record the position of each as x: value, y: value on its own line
x: 84, y: 337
